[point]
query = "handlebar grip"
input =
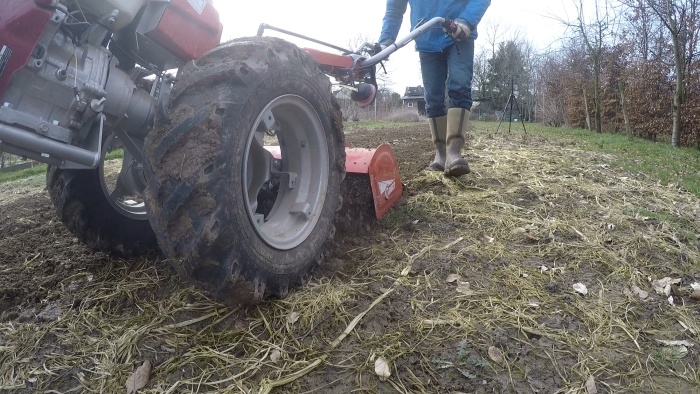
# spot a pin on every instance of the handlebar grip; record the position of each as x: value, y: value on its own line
x: 449, y: 26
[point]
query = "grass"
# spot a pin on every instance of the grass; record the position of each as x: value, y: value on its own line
x: 673, y: 167
x: 374, y: 124
x: 41, y: 169
x: 115, y: 154
x: 669, y: 166
x: 21, y: 174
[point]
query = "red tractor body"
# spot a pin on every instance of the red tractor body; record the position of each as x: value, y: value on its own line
x: 186, y: 31
x: 22, y: 24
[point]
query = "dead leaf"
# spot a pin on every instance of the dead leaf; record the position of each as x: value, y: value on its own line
x: 667, y: 342
x: 581, y: 288
x: 438, y: 322
x: 293, y: 317
x: 681, y: 351
x: 534, y: 302
x: 496, y: 356
x: 139, y: 379
x: 464, y: 288
x: 640, y: 293
x: 488, y: 239
x: 275, y: 355
x: 381, y: 368
x: 451, y: 278
x: 663, y: 286
x: 695, y: 295
x: 543, y: 269
x: 590, y: 385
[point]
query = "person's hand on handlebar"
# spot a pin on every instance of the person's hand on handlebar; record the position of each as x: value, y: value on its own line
x: 461, y: 30
x: 380, y: 46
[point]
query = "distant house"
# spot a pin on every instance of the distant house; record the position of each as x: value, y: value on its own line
x: 414, y: 98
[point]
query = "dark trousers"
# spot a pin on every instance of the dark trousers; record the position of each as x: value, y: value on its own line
x: 448, y: 70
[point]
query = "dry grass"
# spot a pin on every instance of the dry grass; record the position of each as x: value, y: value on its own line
x: 534, y: 218
x: 402, y: 115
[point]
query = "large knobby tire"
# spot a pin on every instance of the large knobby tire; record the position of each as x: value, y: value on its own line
x: 241, y: 223
x: 96, y: 217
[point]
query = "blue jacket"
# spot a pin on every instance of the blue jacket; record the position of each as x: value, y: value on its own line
x: 434, y: 40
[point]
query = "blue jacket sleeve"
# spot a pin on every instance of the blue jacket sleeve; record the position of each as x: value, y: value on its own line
x: 474, y: 11
x: 392, y: 20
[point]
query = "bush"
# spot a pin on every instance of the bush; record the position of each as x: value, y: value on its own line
x: 402, y: 115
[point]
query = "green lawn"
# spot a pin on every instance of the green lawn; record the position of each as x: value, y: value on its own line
x: 661, y: 161
x: 41, y: 169
x: 21, y: 174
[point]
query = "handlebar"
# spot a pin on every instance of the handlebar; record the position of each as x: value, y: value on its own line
x: 446, y: 24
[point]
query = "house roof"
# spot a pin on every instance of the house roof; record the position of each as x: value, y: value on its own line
x: 414, y: 91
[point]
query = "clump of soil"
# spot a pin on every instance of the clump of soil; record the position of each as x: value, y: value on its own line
x: 467, y: 285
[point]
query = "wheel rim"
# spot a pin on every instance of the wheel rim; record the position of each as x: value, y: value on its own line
x: 122, y: 183
x: 291, y: 183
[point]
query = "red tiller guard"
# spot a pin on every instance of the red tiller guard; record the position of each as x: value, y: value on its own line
x: 381, y: 167
x: 383, y: 171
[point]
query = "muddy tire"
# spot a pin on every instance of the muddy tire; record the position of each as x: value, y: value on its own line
x: 243, y: 222
x: 97, y: 217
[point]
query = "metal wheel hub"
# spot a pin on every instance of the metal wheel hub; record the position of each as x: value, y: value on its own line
x: 285, y: 171
x: 123, y: 189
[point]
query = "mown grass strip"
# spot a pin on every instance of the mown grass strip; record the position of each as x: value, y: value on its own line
x: 668, y: 165
x: 41, y: 169
x: 21, y: 174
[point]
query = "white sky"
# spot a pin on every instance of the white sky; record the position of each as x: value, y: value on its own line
x: 342, y: 22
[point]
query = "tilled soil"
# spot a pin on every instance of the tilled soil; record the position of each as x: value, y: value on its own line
x: 467, y: 285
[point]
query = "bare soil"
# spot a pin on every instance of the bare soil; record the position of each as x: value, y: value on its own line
x: 466, y: 286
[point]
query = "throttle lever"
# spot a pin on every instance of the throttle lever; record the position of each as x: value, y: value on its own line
x: 449, y: 27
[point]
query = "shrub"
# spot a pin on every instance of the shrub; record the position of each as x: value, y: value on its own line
x: 402, y: 115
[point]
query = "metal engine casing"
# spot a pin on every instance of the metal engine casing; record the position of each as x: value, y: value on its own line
x: 46, y: 88
x: 64, y: 89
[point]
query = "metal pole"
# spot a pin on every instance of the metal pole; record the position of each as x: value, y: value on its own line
x: 37, y: 143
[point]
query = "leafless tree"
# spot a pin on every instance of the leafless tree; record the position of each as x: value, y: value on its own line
x: 680, y: 17
x: 594, y: 31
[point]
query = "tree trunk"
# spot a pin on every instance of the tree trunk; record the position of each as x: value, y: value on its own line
x: 596, y: 93
x: 588, y: 114
x: 623, y: 103
x: 678, y: 94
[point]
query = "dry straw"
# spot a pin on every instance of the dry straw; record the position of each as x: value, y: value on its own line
x: 535, y: 217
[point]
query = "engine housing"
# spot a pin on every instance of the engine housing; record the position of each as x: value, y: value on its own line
x: 69, y: 92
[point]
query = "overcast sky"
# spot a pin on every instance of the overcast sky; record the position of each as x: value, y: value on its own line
x: 342, y: 22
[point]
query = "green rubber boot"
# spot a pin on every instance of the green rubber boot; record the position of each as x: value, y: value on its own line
x: 438, y: 128
x: 457, y: 123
